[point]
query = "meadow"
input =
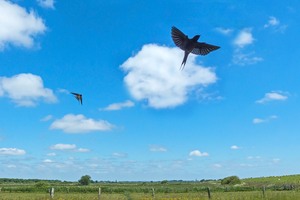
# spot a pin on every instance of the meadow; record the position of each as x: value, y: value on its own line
x: 283, y: 187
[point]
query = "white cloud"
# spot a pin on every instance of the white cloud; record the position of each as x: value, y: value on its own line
x: 51, y: 154
x: 273, y: 96
x: 273, y: 21
x: 156, y: 148
x: 11, y: 166
x: 46, y: 3
x: 275, y: 25
x: 208, y: 96
x: 25, y: 89
x: 64, y: 91
x: 260, y: 120
x: 47, y: 118
x: 217, y: 165
x: 18, y: 27
x: 254, y: 157
x: 153, y: 75
x: 198, y: 153
x: 67, y: 147
x: 82, y: 150
x: 71, y: 123
x: 12, y: 151
x: 47, y: 161
x: 224, y: 31
x: 63, y: 147
x: 240, y: 58
x: 119, y: 155
x: 235, y: 147
x: 244, y: 38
x: 119, y: 106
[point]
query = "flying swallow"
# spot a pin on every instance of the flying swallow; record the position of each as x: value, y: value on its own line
x: 78, y: 97
x: 190, y: 45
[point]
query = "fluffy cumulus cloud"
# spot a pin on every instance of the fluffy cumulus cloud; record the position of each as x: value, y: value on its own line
x: 25, y: 89
x: 18, y: 26
x: 198, y: 153
x: 12, y: 151
x: 119, y: 106
x: 46, y: 3
x: 240, y: 57
x: 273, y: 96
x: 244, y: 38
x: 71, y: 123
x: 153, y: 75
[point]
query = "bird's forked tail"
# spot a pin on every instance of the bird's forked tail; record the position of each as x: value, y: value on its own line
x: 184, y: 60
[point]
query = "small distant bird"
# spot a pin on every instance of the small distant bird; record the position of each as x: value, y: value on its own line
x: 190, y: 45
x: 78, y: 97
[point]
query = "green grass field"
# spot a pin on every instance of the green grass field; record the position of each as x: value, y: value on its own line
x: 253, y: 195
x: 267, y: 188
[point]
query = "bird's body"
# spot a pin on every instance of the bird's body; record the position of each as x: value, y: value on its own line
x: 78, y: 97
x: 190, y: 45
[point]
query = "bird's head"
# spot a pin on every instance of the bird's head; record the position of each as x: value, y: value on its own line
x: 196, y: 38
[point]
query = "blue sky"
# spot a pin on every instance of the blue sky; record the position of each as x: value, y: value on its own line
x: 233, y: 112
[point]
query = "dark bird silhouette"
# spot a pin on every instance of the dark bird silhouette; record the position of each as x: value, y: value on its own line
x: 190, y: 45
x: 78, y: 97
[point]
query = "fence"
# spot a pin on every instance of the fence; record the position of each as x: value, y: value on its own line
x: 210, y: 192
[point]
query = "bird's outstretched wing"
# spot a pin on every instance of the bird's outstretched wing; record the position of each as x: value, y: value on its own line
x: 80, y: 99
x: 179, y: 38
x: 77, y: 96
x: 202, y: 48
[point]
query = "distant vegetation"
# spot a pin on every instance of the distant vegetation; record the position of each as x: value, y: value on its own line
x: 85, y: 180
x: 231, y: 180
x: 187, y: 189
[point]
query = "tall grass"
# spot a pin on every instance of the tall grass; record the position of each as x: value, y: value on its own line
x: 285, y: 187
x: 252, y: 195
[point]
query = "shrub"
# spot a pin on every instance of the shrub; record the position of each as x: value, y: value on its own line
x: 85, y: 180
x: 41, y: 184
x: 231, y: 180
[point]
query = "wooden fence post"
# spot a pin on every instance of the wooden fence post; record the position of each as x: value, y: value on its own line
x: 153, y: 193
x: 99, y: 193
x: 208, y: 192
x: 263, y: 191
x: 51, y: 193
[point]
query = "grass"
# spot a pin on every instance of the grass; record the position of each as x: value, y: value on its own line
x: 253, y: 195
x: 282, y: 188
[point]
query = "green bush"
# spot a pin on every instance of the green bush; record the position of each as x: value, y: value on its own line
x: 85, y: 180
x: 231, y: 180
x: 42, y: 185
